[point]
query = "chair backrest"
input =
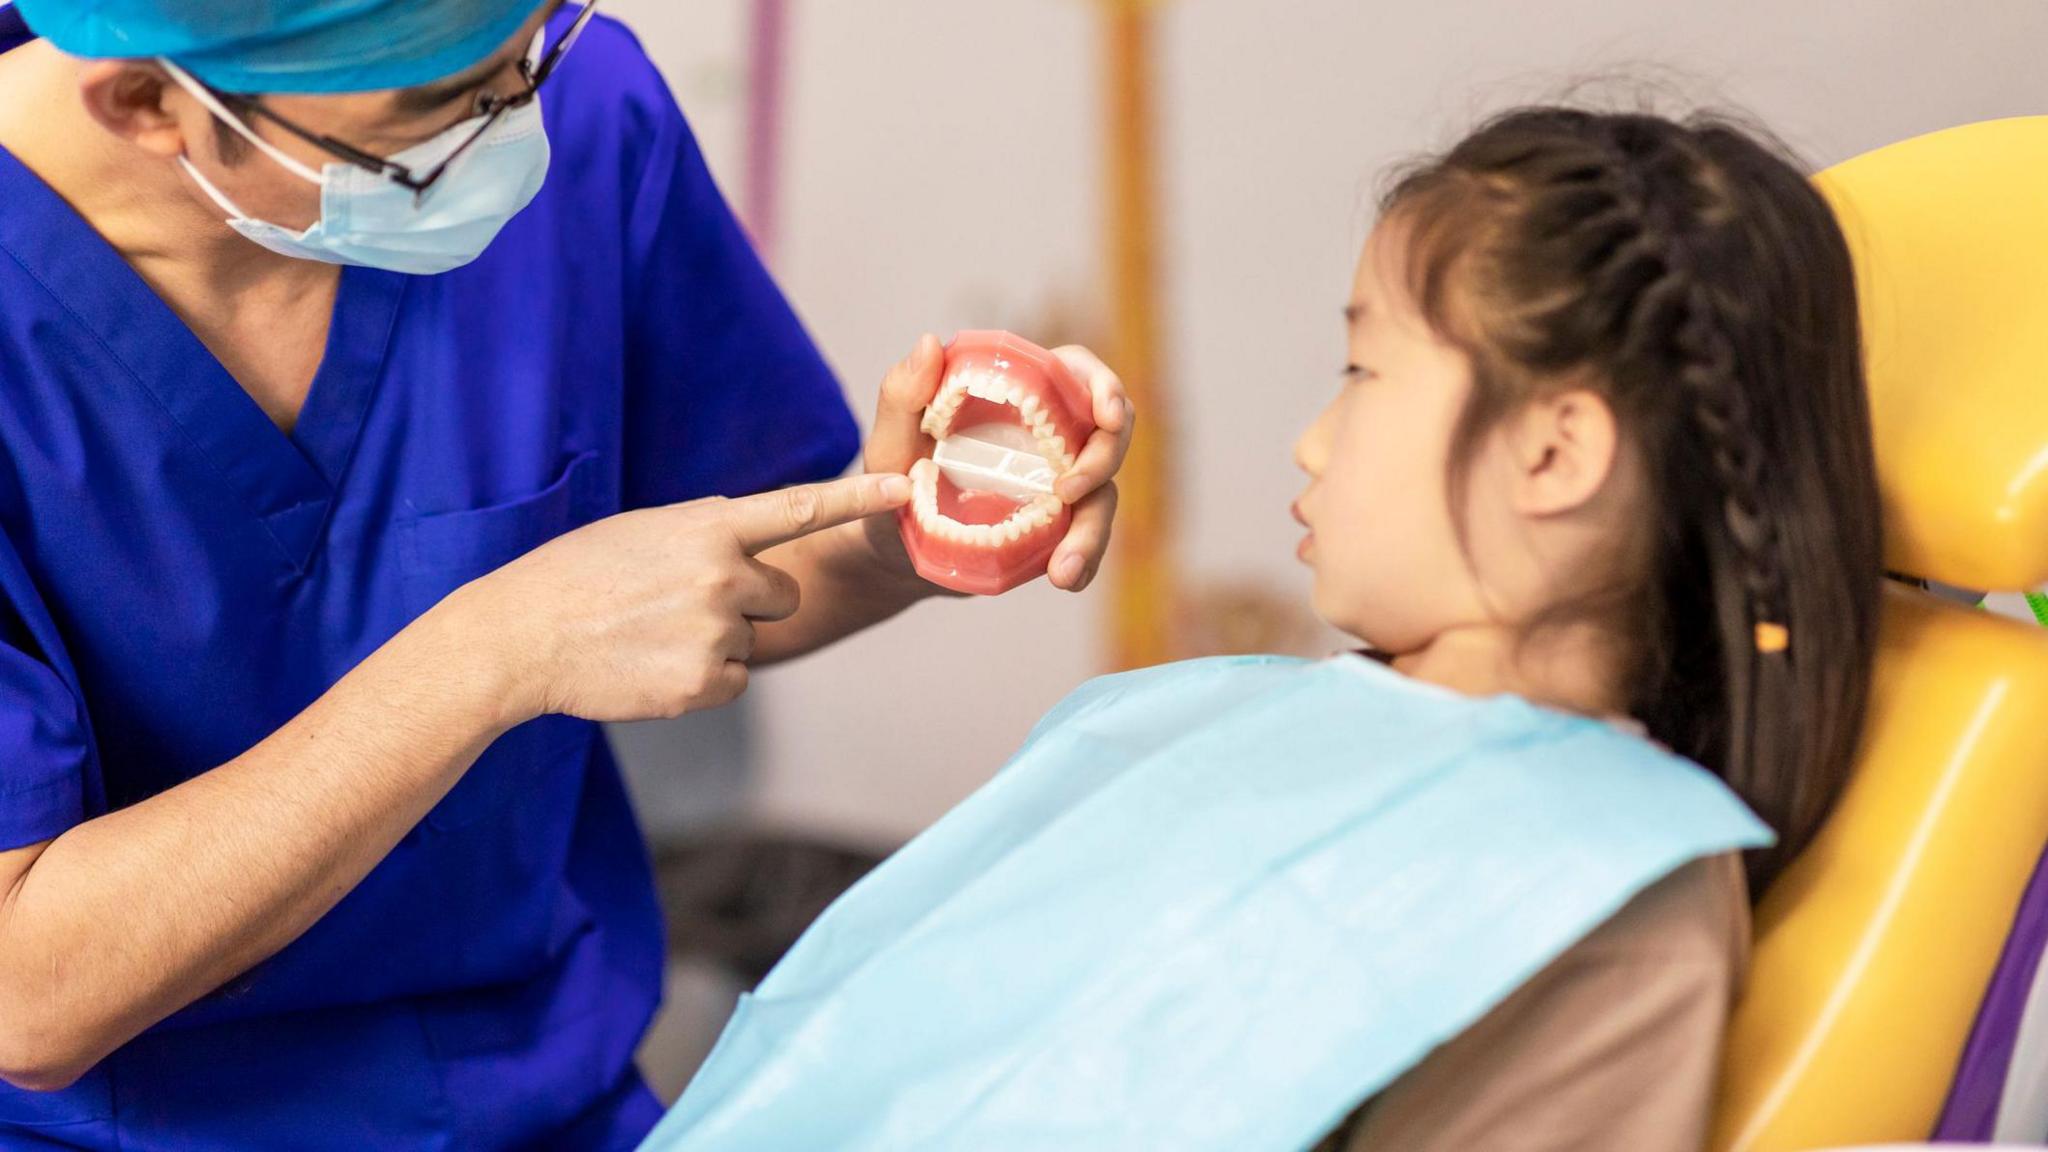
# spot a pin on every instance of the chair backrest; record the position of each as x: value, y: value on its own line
x: 1876, y: 947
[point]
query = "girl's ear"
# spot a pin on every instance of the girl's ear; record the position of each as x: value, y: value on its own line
x: 1564, y: 450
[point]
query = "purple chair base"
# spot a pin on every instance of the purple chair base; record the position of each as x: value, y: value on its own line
x: 1971, y: 1114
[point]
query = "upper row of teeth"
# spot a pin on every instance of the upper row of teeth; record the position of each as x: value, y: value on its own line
x: 1029, y: 517
x: 984, y: 385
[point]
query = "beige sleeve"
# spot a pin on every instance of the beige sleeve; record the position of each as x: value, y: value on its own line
x: 1614, y: 1046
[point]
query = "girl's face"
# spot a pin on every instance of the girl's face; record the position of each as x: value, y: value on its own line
x: 1386, y: 556
x: 1546, y: 497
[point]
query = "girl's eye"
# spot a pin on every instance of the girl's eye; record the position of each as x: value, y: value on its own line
x: 1358, y: 374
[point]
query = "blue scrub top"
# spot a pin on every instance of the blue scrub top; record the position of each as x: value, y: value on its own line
x: 178, y: 578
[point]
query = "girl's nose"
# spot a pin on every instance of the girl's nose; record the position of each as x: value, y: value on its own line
x: 1312, y: 449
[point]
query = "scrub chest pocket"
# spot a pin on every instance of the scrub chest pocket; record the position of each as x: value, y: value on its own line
x: 441, y: 552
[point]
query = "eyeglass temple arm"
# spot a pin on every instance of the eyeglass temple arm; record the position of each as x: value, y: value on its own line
x: 340, y: 148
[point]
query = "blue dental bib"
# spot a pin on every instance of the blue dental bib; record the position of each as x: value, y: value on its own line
x: 1214, y: 905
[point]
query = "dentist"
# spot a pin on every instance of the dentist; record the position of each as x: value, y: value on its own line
x: 352, y: 466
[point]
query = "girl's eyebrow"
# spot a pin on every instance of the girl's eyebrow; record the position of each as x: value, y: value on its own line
x: 1354, y: 312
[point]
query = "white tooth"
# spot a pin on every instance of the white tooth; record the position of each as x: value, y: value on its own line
x: 940, y: 412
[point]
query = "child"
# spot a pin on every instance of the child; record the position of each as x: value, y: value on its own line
x: 1601, y: 445
x: 1632, y: 348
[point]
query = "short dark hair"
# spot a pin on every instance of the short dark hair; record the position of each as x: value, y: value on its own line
x: 228, y: 143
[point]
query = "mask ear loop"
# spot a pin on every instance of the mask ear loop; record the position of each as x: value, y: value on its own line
x: 212, y: 103
x: 219, y: 198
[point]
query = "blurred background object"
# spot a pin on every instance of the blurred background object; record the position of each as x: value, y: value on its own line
x: 1183, y: 186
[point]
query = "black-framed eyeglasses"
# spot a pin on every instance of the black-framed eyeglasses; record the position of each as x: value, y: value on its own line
x: 491, y: 107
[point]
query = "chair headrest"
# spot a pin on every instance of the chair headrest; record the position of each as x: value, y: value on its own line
x: 1950, y: 237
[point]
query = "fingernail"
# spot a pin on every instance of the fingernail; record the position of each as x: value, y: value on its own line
x: 896, y: 489
x: 1067, y: 488
x: 1070, y: 569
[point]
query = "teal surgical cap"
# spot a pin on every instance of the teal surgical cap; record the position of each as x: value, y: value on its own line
x: 304, y: 46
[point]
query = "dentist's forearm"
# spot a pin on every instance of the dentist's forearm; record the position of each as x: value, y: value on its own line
x: 129, y: 917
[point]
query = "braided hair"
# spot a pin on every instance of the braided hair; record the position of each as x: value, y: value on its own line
x: 1689, y: 273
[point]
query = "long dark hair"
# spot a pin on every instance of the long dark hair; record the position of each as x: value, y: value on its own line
x: 1691, y: 274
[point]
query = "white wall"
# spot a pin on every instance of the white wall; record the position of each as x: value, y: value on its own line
x: 941, y: 172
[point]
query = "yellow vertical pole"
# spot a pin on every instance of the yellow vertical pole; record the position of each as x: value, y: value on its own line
x: 1141, y: 571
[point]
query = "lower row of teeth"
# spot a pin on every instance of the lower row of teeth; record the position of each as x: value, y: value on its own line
x: 1028, y: 518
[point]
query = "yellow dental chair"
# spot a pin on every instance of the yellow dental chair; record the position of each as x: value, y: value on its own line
x: 1903, y: 945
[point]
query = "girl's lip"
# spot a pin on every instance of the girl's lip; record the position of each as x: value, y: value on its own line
x: 1300, y: 519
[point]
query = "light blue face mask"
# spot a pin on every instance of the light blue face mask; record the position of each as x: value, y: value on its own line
x: 368, y: 220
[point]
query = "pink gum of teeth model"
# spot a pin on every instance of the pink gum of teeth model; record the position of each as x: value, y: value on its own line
x: 1008, y: 421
